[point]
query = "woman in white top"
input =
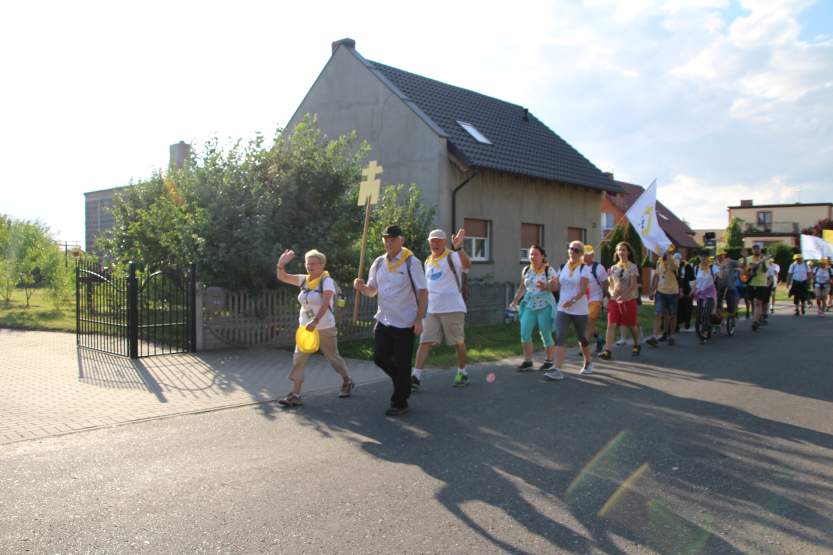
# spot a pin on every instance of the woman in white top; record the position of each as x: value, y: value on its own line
x: 572, y: 284
x: 316, y: 298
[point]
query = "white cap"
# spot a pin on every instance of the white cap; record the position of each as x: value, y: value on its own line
x: 437, y: 234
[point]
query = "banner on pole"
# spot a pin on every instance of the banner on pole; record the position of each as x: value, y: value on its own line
x: 827, y: 235
x: 815, y: 248
x: 643, y: 217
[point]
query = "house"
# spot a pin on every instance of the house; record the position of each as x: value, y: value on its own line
x: 778, y: 223
x: 98, y: 218
x: 482, y: 163
x: 614, y: 207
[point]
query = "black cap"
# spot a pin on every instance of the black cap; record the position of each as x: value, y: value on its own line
x: 392, y: 231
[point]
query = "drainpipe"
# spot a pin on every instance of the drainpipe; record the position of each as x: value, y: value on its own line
x: 454, y: 201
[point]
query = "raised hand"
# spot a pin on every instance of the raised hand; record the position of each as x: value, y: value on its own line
x: 287, y: 257
x: 458, y: 238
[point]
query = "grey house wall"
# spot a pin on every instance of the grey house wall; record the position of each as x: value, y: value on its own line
x: 347, y: 96
x: 508, y: 200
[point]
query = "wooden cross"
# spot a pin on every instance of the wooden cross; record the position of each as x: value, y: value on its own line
x: 369, y: 187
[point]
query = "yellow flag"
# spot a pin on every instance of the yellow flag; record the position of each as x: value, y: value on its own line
x: 827, y: 235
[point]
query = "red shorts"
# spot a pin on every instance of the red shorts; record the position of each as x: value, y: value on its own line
x: 622, y: 314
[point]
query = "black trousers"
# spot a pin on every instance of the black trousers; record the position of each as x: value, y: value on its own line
x: 684, y: 312
x: 393, y: 351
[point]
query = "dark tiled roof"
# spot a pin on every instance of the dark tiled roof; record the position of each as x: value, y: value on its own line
x: 518, y: 146
x: 674, y: 227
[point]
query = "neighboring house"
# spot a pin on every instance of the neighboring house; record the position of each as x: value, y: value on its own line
x: 615, y: 206
x: 778, y: 223
x: 482, y: 163
x: 97, y: 215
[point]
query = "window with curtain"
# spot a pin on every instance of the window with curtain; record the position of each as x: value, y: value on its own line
x: 477, y: 242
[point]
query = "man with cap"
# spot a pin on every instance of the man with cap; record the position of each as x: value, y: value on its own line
x: 666, y: 293
x: 596, y: 292
x: 759, y: 288
x: 797, y: 275
x: 397, y: 279
x: 446, y: 315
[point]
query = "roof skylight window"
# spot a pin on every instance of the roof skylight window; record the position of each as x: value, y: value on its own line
x: 474, y: 132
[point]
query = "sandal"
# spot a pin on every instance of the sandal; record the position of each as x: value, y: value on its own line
x: 636, y: 350
x: 606, y: 355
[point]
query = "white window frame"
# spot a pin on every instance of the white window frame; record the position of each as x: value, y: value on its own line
x: 540, y: 241
x: 474, y: 132
x: 473, y: 243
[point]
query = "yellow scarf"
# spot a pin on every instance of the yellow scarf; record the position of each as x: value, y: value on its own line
x: 313, y: 283
x: 392, y: 267
x: 435, y: 260
x: 571, y: 266
x: 541, y: 271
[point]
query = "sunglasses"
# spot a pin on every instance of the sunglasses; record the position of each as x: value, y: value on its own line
x: 575, y: 249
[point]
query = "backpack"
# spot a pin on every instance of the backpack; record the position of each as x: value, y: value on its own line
x: 338, y: 296
x: 462, y: 285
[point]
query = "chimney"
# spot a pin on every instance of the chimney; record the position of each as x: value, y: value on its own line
x: 180, y: 152
x: 747, y: 203
x: 349, y: 43
x: 608, y: 174
x: 526, y: 115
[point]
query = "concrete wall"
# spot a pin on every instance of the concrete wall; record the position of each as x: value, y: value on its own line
x: 508, y: 201
x: 347, y: 96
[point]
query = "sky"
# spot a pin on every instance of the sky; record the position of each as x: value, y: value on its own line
x: 719, y: 100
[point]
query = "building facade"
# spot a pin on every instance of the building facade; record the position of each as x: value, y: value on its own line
x: 778, y: 223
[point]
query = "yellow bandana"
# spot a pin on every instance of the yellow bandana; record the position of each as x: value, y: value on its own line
x: 406, y: 254
x: 313, y: 283
x: 435, y: 260
x: 571, y: 266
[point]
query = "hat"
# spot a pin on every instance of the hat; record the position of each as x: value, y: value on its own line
x: 588, y: 249
x: 796, y: 256
x: 756, y: 246
x: 392, y: 231
x: 678, y: 256
x: 721, y: 250
x: 671, y: 248
x: 437, y: 234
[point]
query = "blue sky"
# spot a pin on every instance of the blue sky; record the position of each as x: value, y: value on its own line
x: 719, y: 100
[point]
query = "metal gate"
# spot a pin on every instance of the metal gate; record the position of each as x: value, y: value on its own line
x: 135, y: 314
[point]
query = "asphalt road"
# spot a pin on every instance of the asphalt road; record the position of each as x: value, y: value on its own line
x: 722, y: 448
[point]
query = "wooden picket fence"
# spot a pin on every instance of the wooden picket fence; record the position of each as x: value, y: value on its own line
x: 240, y: 319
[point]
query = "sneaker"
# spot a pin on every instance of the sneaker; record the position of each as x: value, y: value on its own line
x: 526, y: 366
x: 636, y: 350
x: 346, y: 388
x: 662, y: 338
x: 554, y: 375
x: 416, y: 384
x: 620, y: 342
x: 461, y: 380
x: 671, y: 342
x: 606, y: 355
x: 396, y: 411
x: 291, y: 400
x: 587, y: 369
x: 546, y: 365
x: 652, y: 341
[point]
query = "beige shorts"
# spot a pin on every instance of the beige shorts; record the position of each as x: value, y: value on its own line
x: 448, y: 324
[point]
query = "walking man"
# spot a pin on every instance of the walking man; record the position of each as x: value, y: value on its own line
x: 397, y: 279
x: 596, y: 292
x: 446, y: 307
x: 797, y: 282
x: 666, y: 292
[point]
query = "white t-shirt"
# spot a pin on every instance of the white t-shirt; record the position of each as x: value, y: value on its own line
x: 396, y: 300
x: 773, y: 270
x: 443, y: 287
x: 311, y: 302
x: 593, y: 288
x: 822, y: 275
x: 799, y: 271
x: 571, y: 288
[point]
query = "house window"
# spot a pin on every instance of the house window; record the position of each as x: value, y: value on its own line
x: 576, y: 234
x: 474, y: 132
x: 477, y: 242
x: 531, y: 234
x: 764, y: 220
x: 607, y: 221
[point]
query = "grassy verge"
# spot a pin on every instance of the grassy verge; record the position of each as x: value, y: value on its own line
x: 41, y: 313
x: 484, y: 343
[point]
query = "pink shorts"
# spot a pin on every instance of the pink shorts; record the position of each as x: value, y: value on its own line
x: 622, y: 314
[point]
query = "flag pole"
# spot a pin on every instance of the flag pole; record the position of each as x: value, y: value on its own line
x: 358, y: 295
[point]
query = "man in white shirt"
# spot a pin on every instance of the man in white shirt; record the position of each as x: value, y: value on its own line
x: 398, y: 280
x: 446, y: 316
x: 797, y: 276
x: 773, y: 273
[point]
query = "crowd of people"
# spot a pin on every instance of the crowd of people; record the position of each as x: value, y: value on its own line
x: 423, y: 304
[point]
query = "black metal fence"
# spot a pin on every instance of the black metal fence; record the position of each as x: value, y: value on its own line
x: 136, y: 313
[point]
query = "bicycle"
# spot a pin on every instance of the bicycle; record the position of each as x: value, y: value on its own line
x: 703, y: 319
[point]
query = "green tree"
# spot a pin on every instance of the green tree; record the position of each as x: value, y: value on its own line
x: 27, y: 254
x: 782, y: 253
x: 632, y: 238
x: 734, y: 234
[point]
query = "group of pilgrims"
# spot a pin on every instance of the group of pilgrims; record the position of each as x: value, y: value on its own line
x: 423, y: 304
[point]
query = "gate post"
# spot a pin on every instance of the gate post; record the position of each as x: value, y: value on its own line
x: 77, y: 303
x: 192, y: 317
x: 132, y: 310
